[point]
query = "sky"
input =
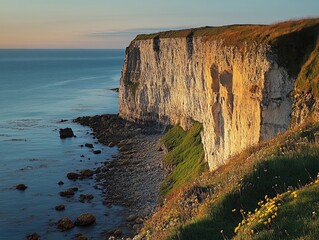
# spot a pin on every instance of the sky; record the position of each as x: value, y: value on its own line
x: 114, y: 23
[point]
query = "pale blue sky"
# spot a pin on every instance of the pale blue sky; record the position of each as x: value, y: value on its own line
x: 112, y: 24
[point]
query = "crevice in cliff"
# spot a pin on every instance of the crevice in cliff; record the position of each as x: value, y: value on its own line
x: 226, y: 80
x: 189, y: 44
x: 224, y: 103
x: 156, y: 47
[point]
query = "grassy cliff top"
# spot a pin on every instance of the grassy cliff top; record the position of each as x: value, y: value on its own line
x: 237, y: 33
x: 295, y: 44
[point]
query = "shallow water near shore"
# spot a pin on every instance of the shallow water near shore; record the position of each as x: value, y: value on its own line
x: 38, y: 89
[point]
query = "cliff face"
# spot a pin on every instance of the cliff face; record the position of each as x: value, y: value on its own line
x: 240, y: 96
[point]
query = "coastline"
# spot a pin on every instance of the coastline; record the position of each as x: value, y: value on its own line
x: 133, y: 178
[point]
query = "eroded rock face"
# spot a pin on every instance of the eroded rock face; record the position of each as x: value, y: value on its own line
x: 241, y: 96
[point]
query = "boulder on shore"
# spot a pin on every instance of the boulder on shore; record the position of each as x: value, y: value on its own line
x: 86, y: 198
x: 97, y: 151
x: 65, y: 224
x: 86, y: 173
x: 60, y: 207
x: 80, y: 236
x: 21, y: 187
x: 68, y: 193
x: 66, y: 133
x: 33, y: 236
x: 85, y: 219
x: 72, y: 176
x: 60, y: 183
x: 89, y: 145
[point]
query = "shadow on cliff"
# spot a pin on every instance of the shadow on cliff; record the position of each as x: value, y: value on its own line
x: 293, y: 49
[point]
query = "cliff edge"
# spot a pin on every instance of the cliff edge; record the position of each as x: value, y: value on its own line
x: 244, y: 83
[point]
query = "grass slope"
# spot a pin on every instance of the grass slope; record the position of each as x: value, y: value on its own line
x: 185, y: 156
x: 308, y: 78
x: 210, y: 208
x: 292, y: 215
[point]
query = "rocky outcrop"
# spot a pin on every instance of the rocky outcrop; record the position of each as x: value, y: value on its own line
x: 241, y: 95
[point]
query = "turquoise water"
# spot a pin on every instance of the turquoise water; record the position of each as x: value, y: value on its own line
x: 38, y: 88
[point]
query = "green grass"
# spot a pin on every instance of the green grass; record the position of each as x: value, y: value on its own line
x: 173, y: 137
x: 236, y: 34
x: 308, y: 78
x: 292, y: 164
x: 186, y: 156
x: 294, y: 215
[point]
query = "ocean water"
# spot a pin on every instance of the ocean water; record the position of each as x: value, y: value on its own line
x: 38, y: 88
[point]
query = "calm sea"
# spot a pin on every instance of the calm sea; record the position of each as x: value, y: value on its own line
x: 38, y: 88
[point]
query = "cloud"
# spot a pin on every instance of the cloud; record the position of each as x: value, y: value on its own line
x: 133, y: 31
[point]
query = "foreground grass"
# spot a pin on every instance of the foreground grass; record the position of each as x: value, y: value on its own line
x: 292, y: 215
x: 210, y: 207
x: 185, y: 156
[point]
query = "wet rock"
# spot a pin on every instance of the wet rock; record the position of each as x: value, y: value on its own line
x: 97, y: 151
x: 86, y: 197
x: 85, y: 219
x: 66, y: 133
x: 65, y: 224
x: 21, y: 187
x: 131, y: 217
x: 89, y: 145
x: 63, y: 120
x: 86, y: 173
x: 80, y: 236
x: 60, y: 183
x: 115, y: 232
x: 60, y: 207
x: 137, y: 227
x: 146, y: 212
x: 73, y: 175
x: 139, y: 221
x: 114, y: 89
x: 124, y: 148
x: 68, y: 193
x: 33, y: 236
x: 118, y: 233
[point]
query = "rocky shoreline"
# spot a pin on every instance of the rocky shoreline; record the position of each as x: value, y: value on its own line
x: 132, y: 179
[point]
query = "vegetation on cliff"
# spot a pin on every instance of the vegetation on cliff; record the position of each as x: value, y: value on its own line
x: 236, y: 35
x: 185, y: 156
x: 293, y: 214
x: 212, y: 206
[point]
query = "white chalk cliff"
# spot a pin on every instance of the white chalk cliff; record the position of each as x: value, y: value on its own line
x: 240, y: 94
